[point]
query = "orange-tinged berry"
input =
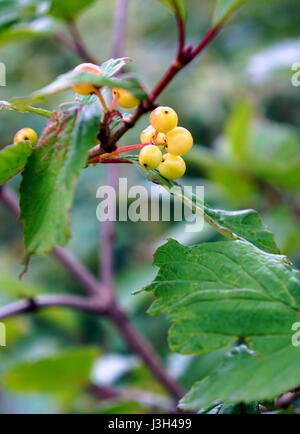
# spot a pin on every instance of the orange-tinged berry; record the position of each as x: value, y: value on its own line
x: 179, y: 141
x: 164, y: 119
x: 149, y: 135
x: 26, y: 134
x: 86, y: 88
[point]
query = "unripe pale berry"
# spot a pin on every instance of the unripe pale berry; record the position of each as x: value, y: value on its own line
x: 150, y: 157
x: 172, y: 167
x: 179, y: 141
x: 86, y: 88
x: 26, y: 134
x: 125, y: 99
x: 148, y: 136
x: 164, y: 119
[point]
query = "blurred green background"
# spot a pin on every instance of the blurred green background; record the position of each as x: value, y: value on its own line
x: 244, y: 113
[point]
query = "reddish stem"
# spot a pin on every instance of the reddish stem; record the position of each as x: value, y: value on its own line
x: 181, y: 36
x: 114, y: 161
x: 110, y: 156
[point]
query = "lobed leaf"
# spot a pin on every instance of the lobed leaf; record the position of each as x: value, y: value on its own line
x: 217, y: 293
x: 245, y: 377
x: 13, y: 159
x: 49, y: 180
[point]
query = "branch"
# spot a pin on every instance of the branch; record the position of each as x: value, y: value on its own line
x: 103, y: 305
x: 185, y: 55
x: 139, y: 346
x: 76, y: 44
x: 142, y: 397
x: 38, y: 303
x: 119, y: 28
x: 108, y: 228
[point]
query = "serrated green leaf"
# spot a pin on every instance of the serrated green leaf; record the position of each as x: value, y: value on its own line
x: 225, y: 8
x: 219, y: 408
x: 71, y: 78
x: 13, y: 159
x: 177, y: 6
x: 50, y: 177
x: 68, y: 10
x: 248, y: 225
x: 219, y: 292
x: 71, y: 368
x: 245, y: 377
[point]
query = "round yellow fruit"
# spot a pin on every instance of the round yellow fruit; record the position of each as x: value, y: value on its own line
x: 172, y: 167
x: 150, y: 157
x: 125, y: 99
x: 164, y: 119
x: 148, y: 136
x: 26, y: 134
x: 86, y: 88
x: 179, y: 141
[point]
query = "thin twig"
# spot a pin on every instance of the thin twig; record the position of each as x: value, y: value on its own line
x: 182, y: 59
x: 139, y: 346
x: 43, y: 301
x: 78, y: 43
x: 75, y: 268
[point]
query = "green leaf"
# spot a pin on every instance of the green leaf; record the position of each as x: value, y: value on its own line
x: 224, y: 9
x: 238, y: 129
x: 24, y: 108
x: 177, y: 6
x: 237, y: 225
x: 13, y: 159
x: 50, y: 177
x: 219, y: 408
x: 35, y: 29
x: 217, y: 293
x: 71, y: 78
x: 245, y: 377
x: 68, y: 10
x: 279, y: 143
x: 71, y: 369
x: 248, y: 225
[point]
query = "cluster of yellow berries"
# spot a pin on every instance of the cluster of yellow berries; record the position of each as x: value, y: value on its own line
x: 164, y: 133
x: 26, y: 134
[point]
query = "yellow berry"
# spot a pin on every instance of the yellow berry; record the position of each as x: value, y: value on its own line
x: 179, y: 141
x: 125, y: 99
x: 26, y: 134
x: 172, y: 167
x: 164, y: 119
x: 148, y: 136
x: 86, y: 88
x: 150, y: 157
